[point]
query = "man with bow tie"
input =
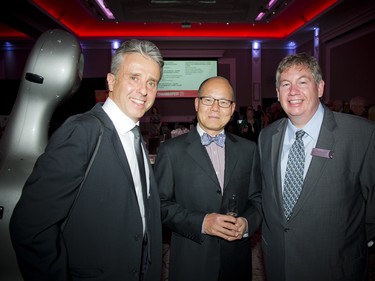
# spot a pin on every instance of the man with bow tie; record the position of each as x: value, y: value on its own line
x: 197, y: 174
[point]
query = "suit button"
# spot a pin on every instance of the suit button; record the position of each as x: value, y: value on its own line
x: 286, y: 229
x: 137, y: 237
x: 218, y: 191
x: 135, y: 272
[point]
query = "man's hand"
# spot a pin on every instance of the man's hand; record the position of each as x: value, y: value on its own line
x: 224, y: 226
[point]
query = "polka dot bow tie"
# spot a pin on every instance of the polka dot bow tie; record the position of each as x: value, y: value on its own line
x: 218, y: 139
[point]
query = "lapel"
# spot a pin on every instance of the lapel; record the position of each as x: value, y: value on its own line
x: 199, y: 155
x: 115, y: 141
x: 231, y: 158
x: 120, y: 153
x: 276, y: 150
x: 326, y: 140
x: 150, y: 177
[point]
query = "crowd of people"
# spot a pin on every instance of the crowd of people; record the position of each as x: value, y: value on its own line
x: 357, y: 105
x: 254, y: 120
x: 303, y: 174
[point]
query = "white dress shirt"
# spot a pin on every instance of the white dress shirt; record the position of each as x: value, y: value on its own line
x: 124, y: 125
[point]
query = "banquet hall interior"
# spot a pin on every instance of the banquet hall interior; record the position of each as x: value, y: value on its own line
x: 244, y: 39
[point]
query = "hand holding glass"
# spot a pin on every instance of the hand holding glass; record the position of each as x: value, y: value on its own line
x: 232, y: 208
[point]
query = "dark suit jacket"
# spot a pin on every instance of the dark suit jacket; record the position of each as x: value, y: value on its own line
x: 325, y: 239
x: 189, y: 189
x: 103, y: 237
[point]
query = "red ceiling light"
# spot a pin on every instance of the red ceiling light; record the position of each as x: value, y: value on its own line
x: 78, y: 20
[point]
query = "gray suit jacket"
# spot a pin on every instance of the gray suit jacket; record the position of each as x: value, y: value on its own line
x: 103, y: 238
x: 325, y: 239
x: 189, y: 189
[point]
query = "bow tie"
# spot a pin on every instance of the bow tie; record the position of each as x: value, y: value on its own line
x: 219, y: 139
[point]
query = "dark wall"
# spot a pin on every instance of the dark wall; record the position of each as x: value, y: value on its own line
x: 243, y: 77
x: 8, y: 94
x: 83, y: 100
x: 270, y: 60
x: 353, y: 72
x: 347, y: 61
x: 97, y: 62
x: 11, y: 68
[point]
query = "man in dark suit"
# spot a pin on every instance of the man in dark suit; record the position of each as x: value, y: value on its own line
x: 105, y: 235
x: 196, y: 181
x: 324, y: 235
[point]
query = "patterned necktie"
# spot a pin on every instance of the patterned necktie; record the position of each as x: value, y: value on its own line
x: 294, y: 174
x: 219, y: 139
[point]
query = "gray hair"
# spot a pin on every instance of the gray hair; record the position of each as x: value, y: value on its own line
x: 303, y: 60
x: 143, y: 47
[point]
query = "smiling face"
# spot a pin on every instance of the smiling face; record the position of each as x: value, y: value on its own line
x: 134, y: 88
x: 299, y: 94
x: 213, y: 118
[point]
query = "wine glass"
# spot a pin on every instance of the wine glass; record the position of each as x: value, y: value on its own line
x: 232, y: 208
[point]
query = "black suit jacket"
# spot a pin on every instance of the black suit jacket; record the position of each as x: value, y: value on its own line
x: 103, y: 238
x: 326, y: 237
x: 189, y: 189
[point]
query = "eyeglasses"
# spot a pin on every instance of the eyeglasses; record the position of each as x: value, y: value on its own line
x: 210, y: 101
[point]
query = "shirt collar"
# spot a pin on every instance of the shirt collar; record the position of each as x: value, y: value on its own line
x: 312, y: 128
x: 122, y: 122
x: 201, y: 131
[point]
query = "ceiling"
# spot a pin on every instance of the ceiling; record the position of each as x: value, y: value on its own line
x: 171, y: 19
x: 182, y: 11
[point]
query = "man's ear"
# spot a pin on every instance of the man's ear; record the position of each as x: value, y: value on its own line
x: 321, y: 88
x: 233, y: 108
x: 196, y: 104
x: 110, y: 81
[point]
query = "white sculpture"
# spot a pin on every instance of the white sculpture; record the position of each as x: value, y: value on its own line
x: 52, y: 74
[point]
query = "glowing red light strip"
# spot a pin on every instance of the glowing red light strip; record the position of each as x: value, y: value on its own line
x: 79, y: 21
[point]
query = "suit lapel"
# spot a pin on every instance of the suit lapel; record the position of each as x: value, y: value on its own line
x: 231, y: 158
x: 199, y: 154
x: 121, y: 156
x: 116, y: 143
x: 151, y: 177
x: 115, y: 139
x: 325, y: 141
x: 276, y: 149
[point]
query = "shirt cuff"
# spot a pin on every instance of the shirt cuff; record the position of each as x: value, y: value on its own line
x: 246, y: 234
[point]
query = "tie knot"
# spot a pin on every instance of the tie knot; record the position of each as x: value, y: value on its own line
x: 218, y: 139
x: 136, y: 132
x: 300, y: 134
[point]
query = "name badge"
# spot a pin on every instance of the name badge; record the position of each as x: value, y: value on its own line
x: 325, y: 153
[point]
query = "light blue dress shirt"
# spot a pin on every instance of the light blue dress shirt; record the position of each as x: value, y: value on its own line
x: 312, y: 129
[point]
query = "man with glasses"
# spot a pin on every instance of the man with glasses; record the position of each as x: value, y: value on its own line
x: 197, y: 174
